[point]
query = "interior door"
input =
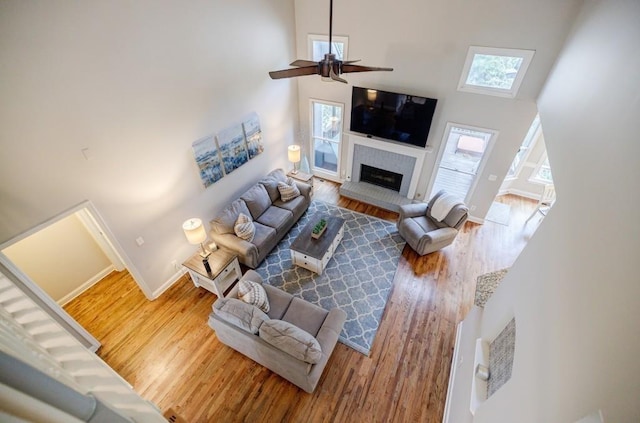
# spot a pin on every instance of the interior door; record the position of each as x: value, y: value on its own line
x: 462, y: 155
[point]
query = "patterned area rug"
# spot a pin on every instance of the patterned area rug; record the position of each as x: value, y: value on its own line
x: 358, y: 279
x: 486, y: 285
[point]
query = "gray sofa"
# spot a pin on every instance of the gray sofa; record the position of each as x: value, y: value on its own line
x: 272, y: 217
x: 424, y: 233
x: 248, y: 330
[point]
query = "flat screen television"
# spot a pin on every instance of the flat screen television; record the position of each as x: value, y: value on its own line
x: 393, y: 116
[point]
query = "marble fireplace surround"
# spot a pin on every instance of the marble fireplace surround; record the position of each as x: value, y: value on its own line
x: 390, y: 156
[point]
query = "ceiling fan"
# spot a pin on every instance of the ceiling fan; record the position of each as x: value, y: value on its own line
x: 329, y: 67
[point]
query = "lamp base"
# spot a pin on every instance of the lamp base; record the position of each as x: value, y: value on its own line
x: 294, y: 172
x: 204, y: 253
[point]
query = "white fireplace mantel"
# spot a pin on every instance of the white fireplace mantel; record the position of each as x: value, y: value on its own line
x: 415, y: 152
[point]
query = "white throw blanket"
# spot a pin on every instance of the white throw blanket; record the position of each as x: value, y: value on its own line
x: 443, y: 205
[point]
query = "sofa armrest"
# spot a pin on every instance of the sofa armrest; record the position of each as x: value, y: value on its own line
x: 440, y: 235
x: 246, y: 250
x: 304, y: 188
x: 331, y: 328
x: 327, y: 337
x: 412, y: 210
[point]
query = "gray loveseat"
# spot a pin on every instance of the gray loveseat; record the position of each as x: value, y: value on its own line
x: 270, y: 338
x: 272, y: 218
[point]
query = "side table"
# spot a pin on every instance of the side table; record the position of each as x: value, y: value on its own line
x: 225, y: 270
x: 307, y: 178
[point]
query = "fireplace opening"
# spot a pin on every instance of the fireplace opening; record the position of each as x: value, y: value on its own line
x: 380, y: 177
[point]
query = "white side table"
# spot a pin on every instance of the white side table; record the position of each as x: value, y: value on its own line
x: 225, y: 270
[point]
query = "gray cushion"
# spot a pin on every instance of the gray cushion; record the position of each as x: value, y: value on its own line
x: 279, y: 301
x: 225, y: 221
x: 240, y: 314
x: 257, y: 200
x: 308, y: 317
x: 270, y: 183
x: 276, y: 218
x: 297, y: 206
x: 292, y: 340
x: 425, y: 224
x: 264, y: 236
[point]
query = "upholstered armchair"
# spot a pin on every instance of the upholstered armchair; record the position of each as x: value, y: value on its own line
x: 423, y: 232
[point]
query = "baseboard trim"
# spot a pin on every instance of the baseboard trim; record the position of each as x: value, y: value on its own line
x: 520, y: 193
x: 168, y: 284
x: 476, y: 220
x: 88, y: 284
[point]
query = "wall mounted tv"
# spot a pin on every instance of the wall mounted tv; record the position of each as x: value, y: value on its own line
x: 393, y: 116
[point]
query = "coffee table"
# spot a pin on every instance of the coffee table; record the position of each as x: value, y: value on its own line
x: 314, y: 254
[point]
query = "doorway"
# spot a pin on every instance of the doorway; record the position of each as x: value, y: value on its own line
x: 24, y: 260
x: 67, y: 256
x: 463, y: 153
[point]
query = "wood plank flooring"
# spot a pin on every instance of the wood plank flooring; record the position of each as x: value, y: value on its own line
x: 166, y: 350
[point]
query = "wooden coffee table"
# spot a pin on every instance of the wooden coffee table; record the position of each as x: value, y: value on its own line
x: 314, y: 254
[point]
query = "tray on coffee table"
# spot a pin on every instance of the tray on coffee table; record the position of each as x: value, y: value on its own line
x: 314, y: 254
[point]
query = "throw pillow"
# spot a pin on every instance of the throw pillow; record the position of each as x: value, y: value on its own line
x: 244, y: 227
x: 240, y: 314
x: 292, y: 340
x: 288, y: 190
x: 253, y: 293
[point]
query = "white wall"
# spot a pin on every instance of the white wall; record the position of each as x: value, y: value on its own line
x: 61, y: 258
x: 136, y: 83
x: 575, y: 289
x: 426, y: 43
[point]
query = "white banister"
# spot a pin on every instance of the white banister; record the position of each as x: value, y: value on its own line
x: 32, y: 336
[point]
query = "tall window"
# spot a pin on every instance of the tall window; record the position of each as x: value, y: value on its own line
x: 326, y: 135
x: 543, y: 171
x: 494, y: 71
x: 318, y: 46
x: 527, y: 143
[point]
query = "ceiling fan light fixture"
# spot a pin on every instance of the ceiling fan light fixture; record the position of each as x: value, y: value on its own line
x: 329, y: 68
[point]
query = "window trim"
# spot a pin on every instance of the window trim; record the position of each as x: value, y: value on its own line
x: 526, y: 55
x: 322, y: 37
x: 534, y: 175
x: 533, y: 138
x: 327, y: 174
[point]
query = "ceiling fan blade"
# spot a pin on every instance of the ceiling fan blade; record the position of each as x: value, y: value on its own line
x: 303, y: 63
x: 348, y: 62
x: 289, y: 73
x: 335, y: 77
x: 358, y: 68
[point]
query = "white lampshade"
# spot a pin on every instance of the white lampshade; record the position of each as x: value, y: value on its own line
x: 194, y: 231
x: 294, y: 153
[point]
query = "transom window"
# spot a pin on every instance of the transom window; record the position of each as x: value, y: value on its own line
x: 318, y: 46
x: 494, y: 71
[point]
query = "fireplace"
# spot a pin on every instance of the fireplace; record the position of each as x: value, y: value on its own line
x: 380, y: 177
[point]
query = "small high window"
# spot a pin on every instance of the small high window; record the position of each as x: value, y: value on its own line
x: 494, y: 71
x: 318, y: 46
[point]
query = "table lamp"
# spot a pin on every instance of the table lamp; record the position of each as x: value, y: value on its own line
x: 294, y: 156
x: 196, y: 234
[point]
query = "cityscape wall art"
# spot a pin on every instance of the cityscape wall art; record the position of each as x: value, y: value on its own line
x: 220, y: 154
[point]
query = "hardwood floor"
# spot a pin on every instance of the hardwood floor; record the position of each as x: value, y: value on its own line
x: 166, y: 350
